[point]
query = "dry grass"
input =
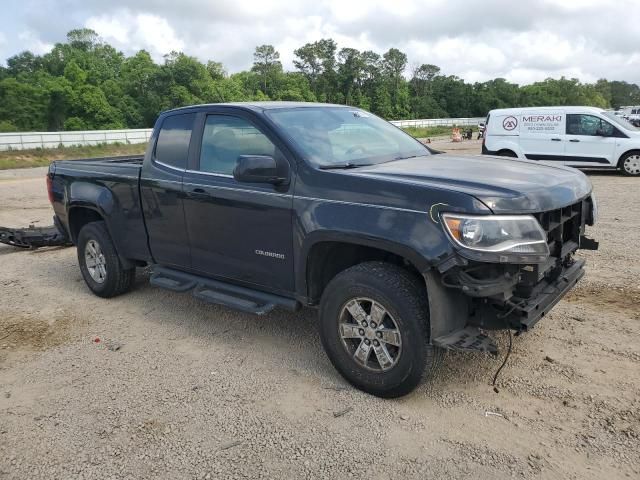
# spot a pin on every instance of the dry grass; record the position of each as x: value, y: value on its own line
x: 41, y: 157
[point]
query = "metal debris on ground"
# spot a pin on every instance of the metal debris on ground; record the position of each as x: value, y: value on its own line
x: 340, y: 413
x: 114, y: 346
x: 487, y: 414
x: 228, y: 445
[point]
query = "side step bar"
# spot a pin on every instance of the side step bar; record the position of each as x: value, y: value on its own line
x: 221, y: 293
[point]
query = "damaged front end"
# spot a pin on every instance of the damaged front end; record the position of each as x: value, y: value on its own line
x: 511, y: 293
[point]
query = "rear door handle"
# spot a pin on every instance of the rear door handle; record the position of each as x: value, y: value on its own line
x: 198, y: 190
x: 574, y: 140
x: 556, y: 140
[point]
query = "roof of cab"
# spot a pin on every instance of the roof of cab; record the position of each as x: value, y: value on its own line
x: 261, y: 106
x: 567, y: 109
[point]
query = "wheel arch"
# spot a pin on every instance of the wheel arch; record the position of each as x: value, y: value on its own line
x: 329, y: 254
x: 624, y: 154
x: 81, y: 214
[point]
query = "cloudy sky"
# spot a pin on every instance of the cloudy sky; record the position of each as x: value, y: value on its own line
x: 521, y: 40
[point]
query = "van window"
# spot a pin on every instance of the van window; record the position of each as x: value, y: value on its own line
x: 580, y: 124
x: 172, y: 147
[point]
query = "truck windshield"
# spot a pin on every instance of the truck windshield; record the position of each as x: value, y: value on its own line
x: 343, y: 136
x: 619, y: 121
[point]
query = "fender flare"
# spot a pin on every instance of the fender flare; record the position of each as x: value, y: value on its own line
x: 411, y: 255
x: 99, y: 199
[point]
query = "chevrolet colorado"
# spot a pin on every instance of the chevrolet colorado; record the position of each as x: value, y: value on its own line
x: 405, y: 251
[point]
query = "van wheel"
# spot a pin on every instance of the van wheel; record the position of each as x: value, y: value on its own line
x: 99, y: 263
x: 374, y: 324
x: 507, y: 153
x: 629, y: 164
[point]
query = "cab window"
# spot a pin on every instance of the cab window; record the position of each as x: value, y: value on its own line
x: 225, y: 138
x: 590, y: 125
x: 172, y: 146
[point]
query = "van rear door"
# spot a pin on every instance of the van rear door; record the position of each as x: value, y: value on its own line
x: 542, y: 136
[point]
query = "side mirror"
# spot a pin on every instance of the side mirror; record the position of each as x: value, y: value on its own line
x: 261, y: 169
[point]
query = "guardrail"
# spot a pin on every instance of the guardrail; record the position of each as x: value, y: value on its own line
x: 439, y: 122
x: 30, y: 140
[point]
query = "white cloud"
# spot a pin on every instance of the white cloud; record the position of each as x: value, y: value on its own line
x: 132, y: 32
x: 30, y: 41
x: 522, y: 42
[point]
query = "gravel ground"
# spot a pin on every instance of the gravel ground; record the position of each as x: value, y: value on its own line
x: 155, y: 384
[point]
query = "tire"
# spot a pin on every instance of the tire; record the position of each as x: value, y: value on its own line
x: 629, y: 164
x: 507, y: 153
x: 106, y: 277
x: 404, y: 300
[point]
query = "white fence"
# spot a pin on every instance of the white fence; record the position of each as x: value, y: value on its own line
x: 438, y: 122
x: 27, y: 140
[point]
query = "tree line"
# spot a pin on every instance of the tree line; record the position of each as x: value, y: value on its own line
x: 85, y: 83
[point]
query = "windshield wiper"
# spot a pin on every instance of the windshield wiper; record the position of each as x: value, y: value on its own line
x: 344, y: 166
x: 406, y: 158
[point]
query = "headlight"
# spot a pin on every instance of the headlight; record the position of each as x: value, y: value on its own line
x: 498, y: 238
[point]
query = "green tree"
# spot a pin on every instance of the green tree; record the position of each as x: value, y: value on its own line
x: 266, y: 63
x: 317, y: 61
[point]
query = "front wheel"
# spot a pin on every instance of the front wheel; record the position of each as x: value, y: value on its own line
x: 374, y: 324
x: 100, y: 265
x: 630, y: 164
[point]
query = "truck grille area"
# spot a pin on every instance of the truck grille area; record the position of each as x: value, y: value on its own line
x: 563, y: 227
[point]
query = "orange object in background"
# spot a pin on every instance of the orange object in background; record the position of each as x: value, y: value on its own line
x: 456, y: 136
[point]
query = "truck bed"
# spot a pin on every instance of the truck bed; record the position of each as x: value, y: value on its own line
x: 109, y: 163
x: 113, y: 184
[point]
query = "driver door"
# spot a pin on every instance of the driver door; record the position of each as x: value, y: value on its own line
x: 238, y: 231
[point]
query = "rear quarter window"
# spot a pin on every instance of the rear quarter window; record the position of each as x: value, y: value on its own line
x: 172, y: 146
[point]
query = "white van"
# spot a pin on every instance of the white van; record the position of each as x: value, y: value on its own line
x: 584, y: 137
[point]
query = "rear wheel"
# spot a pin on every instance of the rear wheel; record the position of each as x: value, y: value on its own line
x: 374, y: 324
x: 99, y: 263
x: 630, y: 164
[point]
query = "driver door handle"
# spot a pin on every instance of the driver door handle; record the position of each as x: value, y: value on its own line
x: 574, y: 140
x: 556, y: 140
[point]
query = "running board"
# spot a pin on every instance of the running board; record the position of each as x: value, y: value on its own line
x: 467, y: 339
x: 221, y: 293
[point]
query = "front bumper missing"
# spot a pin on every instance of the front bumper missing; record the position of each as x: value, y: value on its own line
x: 518, y: 314
x: 528, y: 312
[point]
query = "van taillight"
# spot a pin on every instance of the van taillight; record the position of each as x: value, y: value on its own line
x: 50, y: 188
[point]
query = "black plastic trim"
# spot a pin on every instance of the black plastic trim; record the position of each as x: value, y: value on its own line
x: 565, y: 158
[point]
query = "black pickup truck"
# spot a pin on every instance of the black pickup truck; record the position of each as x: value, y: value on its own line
x: 405, y: 251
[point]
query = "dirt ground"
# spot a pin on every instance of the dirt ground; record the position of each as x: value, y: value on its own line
x: 156, y: 384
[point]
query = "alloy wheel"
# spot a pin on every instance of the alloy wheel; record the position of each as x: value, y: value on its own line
x: 95, y: 261
x: 370, y: 334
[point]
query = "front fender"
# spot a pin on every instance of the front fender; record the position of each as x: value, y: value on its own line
x: 407, y: 233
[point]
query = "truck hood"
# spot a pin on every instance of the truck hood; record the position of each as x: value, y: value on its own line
x: 504, y: 185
